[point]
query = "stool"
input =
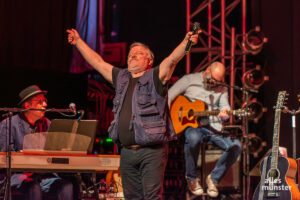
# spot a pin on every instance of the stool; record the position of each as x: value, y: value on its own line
x: 203, y: 176
x: 209, y: 157
x: 203, y: 149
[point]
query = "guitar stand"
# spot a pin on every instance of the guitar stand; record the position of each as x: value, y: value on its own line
x: 293, y: 113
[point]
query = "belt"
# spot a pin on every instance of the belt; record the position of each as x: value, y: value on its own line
x: 134, y: 147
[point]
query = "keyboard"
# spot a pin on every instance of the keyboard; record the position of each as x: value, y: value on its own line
x: 42, y: 161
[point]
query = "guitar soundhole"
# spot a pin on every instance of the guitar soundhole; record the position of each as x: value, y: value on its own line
x: 274, y: 174
x: 190, y: 113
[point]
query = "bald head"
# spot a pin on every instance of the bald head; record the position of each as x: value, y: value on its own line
x: 216, y: 70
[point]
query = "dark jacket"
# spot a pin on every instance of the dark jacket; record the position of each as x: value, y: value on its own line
x: 150, y: 112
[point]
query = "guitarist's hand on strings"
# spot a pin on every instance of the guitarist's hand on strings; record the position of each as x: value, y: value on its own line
x: 223, y: 115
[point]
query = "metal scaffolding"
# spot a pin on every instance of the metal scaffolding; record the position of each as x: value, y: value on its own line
x: 220, y: 42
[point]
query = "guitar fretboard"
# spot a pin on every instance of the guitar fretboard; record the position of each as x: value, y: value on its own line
x: 274, y: 159
x: 279, y: 105
x: 211, y: 112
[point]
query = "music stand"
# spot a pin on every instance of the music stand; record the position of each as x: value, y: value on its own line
x: 81, y: 127
x: 56, y: 142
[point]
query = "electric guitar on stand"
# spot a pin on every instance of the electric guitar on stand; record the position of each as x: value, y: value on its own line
x: 277, y: 172
x: 185, y: 113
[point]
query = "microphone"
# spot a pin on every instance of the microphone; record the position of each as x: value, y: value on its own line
x: 72, y: 106
x: 81, y: 114
x: 196, y: 27
x: 210, y: 81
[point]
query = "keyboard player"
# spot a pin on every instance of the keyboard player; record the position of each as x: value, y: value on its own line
x: 34, y: 186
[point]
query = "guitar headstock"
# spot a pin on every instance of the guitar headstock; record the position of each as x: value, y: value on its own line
x: 281, y: 100
x: 242, y: 113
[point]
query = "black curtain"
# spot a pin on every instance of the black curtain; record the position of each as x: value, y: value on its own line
x: 159, y: 24
x: 33, y: 34
x: 34, y: 50
x: 280, y: 21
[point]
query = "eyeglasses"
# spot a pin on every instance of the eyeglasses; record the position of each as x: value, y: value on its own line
x: 40, y: 101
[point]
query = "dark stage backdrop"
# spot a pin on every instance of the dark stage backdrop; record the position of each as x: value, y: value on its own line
x: 280, y: 21
x: 159, y: 24
x: 33, y: 37
x: 62, y: 88
x: 33, y: 34
x: 34, y: 50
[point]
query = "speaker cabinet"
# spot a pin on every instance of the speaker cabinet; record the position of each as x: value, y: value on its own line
x: 232, y: 176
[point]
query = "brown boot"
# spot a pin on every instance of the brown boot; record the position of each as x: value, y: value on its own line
x: 212, y: 189
x: 195, y: 187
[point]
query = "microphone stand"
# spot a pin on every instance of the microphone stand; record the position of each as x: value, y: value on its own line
x: 9, y: 114
x: 44, y: 110
x: 293, y: 113
x: 81, y: 114
x: 246, y: 160
x: 7, y: 191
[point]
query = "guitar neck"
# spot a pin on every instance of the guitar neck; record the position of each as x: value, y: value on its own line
x: 211, y: 112
x: 279, y: 105
x: 275, y: 146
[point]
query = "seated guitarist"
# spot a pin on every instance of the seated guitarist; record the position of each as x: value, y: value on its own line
x: 199, y: 86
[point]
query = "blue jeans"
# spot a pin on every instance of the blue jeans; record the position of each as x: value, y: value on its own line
x: 193, y: 140
x: 142, y: 172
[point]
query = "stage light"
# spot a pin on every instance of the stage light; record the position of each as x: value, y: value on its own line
x: 255, y: 109
x: 254, y: 78
x: 254, y: 41
x: 256, y: 144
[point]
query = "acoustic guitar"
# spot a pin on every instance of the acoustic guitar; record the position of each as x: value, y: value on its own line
x: 277, y: 172
x: 184, y: 113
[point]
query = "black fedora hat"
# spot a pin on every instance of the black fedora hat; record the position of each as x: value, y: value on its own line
x: 29, y: 92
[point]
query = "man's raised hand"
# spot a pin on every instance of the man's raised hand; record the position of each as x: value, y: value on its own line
x: 73, y: 36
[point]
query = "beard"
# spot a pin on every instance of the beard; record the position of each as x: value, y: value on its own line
x: 135, y: 68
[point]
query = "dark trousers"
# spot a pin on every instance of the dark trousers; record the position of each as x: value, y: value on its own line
x: 142, y: 172
x: 59, y: 190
